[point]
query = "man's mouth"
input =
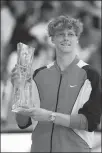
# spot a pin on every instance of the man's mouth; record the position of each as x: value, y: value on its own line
x: 66, y: 44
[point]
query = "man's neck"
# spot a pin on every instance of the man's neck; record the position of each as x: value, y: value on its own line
x: 65, y: 60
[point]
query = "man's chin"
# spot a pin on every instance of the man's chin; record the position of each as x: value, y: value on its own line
x: 66, y: 51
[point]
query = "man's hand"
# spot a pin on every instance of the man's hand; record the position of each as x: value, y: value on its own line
x: 15, y: 76
x: 38, y: 114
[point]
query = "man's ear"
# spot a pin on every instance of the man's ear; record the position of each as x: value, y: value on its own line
x: 77, y: 40
x: 52, y: 40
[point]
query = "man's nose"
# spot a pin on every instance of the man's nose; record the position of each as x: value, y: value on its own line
x: 66, y: 37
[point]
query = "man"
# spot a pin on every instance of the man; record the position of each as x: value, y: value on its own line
x: 70, y: 96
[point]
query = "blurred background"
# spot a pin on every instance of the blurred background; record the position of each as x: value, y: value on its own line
x: 26, y: 22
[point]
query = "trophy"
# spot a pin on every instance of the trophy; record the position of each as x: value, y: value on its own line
x: 22, y: 96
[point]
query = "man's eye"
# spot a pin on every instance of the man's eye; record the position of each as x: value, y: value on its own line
x: 71, y: 34
x: 61, y: 34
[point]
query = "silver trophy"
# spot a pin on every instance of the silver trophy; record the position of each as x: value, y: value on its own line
x: 22, y: 96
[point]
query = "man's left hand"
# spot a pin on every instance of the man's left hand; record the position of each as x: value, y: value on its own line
x: 38, y: 114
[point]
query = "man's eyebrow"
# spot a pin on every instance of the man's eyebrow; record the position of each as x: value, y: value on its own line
x: 71, y: 32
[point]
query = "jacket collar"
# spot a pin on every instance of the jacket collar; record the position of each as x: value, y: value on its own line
x: 70, y: 66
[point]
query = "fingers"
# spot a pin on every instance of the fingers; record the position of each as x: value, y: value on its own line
x: 14, y: 78
x: 14, y: 75
x: 24, y: 111
x: 26, y: 107
x: 31, y: 110
x: 14, y: 69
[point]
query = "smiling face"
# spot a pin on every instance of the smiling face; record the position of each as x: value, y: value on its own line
x: 65, y: 40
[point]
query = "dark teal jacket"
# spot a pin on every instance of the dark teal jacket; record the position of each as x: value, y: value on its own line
x: 75, y: 90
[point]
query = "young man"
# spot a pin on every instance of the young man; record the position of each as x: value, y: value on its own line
x: 70, y: 96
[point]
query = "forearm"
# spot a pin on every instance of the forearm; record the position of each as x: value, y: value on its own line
x: 77, y: 121
x: 23, y: 121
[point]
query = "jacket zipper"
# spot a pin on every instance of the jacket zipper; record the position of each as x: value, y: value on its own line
x: 55, y: 111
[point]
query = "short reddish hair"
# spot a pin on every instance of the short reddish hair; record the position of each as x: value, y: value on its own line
x: 63, y: 22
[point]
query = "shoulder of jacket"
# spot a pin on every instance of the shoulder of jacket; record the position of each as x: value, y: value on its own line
x: 81, y: 64
x: 92, y: 73
x: 41, y: 68
x: 38, y: 70
x: 50, y: 65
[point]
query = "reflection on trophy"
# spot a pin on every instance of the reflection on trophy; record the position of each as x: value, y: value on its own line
x: 23, y: 89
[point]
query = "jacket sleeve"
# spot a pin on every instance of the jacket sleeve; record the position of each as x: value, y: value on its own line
x: 92, y: 109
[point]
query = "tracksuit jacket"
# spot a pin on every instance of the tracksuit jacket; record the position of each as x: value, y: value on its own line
x: 76, y: 90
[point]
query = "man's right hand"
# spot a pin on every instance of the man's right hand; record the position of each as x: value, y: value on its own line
x: 15, y: 79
